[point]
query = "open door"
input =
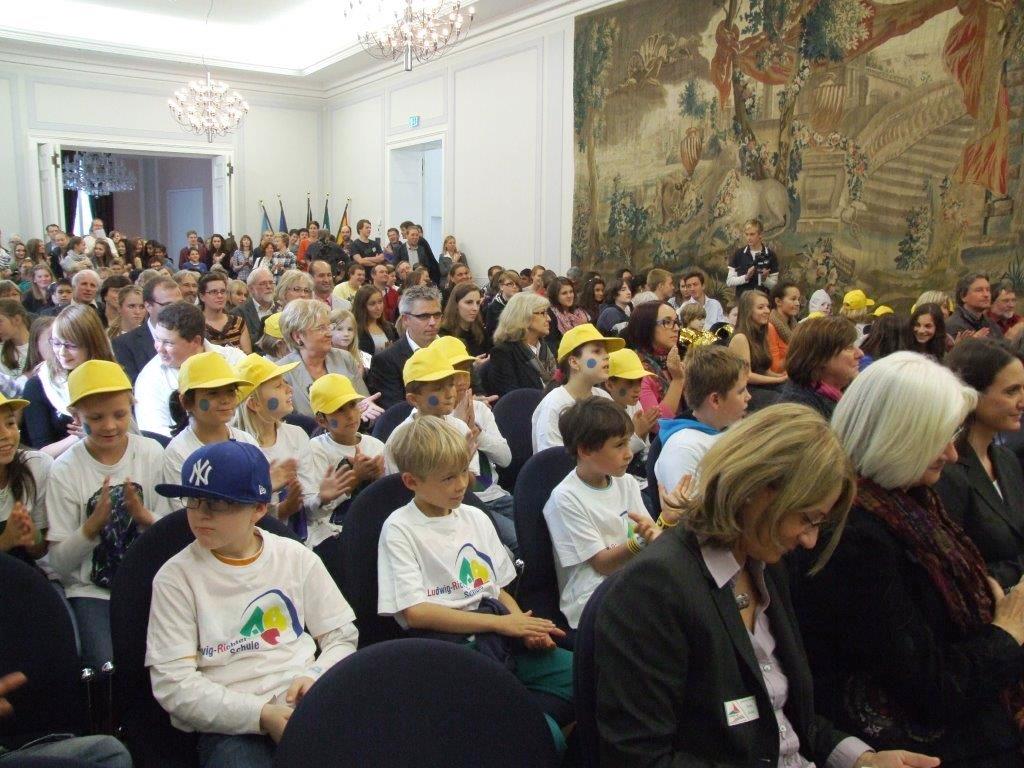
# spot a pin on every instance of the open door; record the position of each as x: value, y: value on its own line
x: 222, y: 173
x: 51, y: 185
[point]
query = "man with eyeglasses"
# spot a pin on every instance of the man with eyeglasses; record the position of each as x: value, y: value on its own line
x: 178, y: 335
x: 420, y: 308
x: 135, y: 348
x: 260, y: 305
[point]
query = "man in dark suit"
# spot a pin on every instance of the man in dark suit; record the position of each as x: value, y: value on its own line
x: 135, y: 348
x: 421, y: 309
x: 417, y: 251
x: 260, y: 304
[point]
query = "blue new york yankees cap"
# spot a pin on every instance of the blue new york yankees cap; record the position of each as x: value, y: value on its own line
x: 229, y: 471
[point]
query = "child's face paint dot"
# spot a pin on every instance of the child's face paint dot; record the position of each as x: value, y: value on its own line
x: 623, y: 392
x: 334, y: 423
x: 273, y: 404
x: 204, y: 405
x: 433, y: 402
x: 87, y: 429
x: 591, y: 363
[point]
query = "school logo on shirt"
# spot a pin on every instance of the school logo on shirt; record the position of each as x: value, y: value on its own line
x: 475, y: 571
x: 268, y: 620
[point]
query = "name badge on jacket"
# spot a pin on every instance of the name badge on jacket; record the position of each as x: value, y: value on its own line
x: 739, y: 711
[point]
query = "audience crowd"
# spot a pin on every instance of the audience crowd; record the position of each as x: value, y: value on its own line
x: 786, y: 531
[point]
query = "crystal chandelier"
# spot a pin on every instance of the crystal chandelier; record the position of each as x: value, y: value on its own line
x: 98, y: 174
x: 408, y: 29
x: 209, y: 107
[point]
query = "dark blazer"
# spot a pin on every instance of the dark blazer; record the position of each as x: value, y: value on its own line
x: 672, y: 650
x: 134, y: 349
x: 995, y: 525
x: 873, y: 619
x: 385, y: 375
x: 492, y: 314
x: 43, y: 425
x: 791, y: 392
x: 511, y: 367
x: 366, y: 340
x: 426, y: 259
x: 248, y: 312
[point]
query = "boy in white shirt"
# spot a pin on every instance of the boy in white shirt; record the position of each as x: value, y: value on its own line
x: 360, y: 458
x: 583, y: 360
x: 596, y: 516
x: 715, y: 387
x: 442, y: 570
x: 625, y: 379
x: 228, y: 649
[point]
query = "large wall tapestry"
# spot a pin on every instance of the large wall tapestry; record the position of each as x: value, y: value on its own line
x: 878, y: 142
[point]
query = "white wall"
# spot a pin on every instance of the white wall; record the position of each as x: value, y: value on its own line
x: 503, y: 112
x: 276, y: 151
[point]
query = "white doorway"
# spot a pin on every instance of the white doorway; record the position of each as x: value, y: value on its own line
x: 416, y: 188
x: 185, y: 211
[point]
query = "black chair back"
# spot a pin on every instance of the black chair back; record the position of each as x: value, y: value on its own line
x: 164, y: 440
x: 584, y: 678
x: 391, y: 418
x: 652, y: 482
x: 512, y: 414
x: 145, y: 726
x: 37, y: 638
x: 538, y: 584
x: 308, y: 423
x: 427, y: 692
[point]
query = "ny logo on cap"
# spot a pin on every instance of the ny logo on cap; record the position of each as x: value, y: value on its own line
x: 200, y: 472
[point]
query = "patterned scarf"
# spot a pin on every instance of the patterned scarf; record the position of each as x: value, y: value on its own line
x: 784, y: 325
x: 566, y: 321
x: 657, y: 363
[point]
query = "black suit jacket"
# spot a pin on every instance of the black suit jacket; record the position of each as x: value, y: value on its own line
x: 511, y: 367
x: 134, y: 349
x: 248, y: 312
x: 873, y: 620
x: 385, y: 375
x: 671, y: 650
x: 995, y: 524
x: 426, y: 259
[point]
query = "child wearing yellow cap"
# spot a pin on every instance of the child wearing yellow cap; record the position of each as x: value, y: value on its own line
x: 626, y: 374
x: 100, y: 496
x: 207, y: 397
x: 264, y: 403
x: 23, y: 478
x: 492, y: 447
x: 358, y: 458
x: 583, y: 363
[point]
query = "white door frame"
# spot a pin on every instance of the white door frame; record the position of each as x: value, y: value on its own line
x: 411, y: 141
x: 129, y: 145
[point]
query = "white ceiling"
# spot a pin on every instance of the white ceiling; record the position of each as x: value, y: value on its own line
x: 284, y: 37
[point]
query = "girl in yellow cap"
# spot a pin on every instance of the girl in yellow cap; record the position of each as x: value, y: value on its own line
x: 23, y: 478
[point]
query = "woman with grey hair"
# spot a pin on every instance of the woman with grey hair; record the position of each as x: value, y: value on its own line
x: 520, y: 359
x: 909, y: 638
x: 306, y: 329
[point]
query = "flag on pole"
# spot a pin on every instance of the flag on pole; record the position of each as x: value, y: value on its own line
x: 282, y: 225
x: 265, y: 226
x: 309, y: 211
x: 326, y: 223
x: 344, y: 221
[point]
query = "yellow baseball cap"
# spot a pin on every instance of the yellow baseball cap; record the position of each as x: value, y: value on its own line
x: 625, y: 364
x: 207, y: 370
x: 272, y: 326
x: 585, y: 334
x: 857, y: 300
x: 881, y: 309
x: 453, y: 348
x: 813, y: 315
x: 255, y: 370
x: 96, y: 377
x: 331, y: 392
x: 428, y: 364
x: 14, y: 402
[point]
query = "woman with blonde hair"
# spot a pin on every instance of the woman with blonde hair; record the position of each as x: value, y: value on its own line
x: 293, y: 284
x: 520, y: 359
x: 131, y: 311
x: 345, y: 338
x: 450, y: 256
x: 75, y: 336
x: 705, y: 620
x: 907, y: 634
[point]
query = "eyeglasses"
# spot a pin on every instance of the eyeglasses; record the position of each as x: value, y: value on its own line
x: 216, y: 292
x: 162, y: 304
x: 958, y: 434
x: 58, y: 344
x: 669, y: 322
x: 305, y: 291
x: 425, y: 316
x: 193, y: 505
x: 540, y: 312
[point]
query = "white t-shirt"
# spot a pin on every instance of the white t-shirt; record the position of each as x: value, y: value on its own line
x: 545, y: 419
x: 583, y: 522
x: 39, y: 465
x: 681, y: 455
x: 454, y: 561
x: 327, y: 453
x: 184, y: 444
x: 72, y: 491
x: 293, y: 443
x: 244, y: 627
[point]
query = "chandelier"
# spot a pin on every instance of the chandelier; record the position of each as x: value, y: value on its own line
x: 208, y: 107
x: 408, y: 29
x: 98, y: 174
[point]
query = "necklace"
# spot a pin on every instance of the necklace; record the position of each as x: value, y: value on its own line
x: 742, y: 598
